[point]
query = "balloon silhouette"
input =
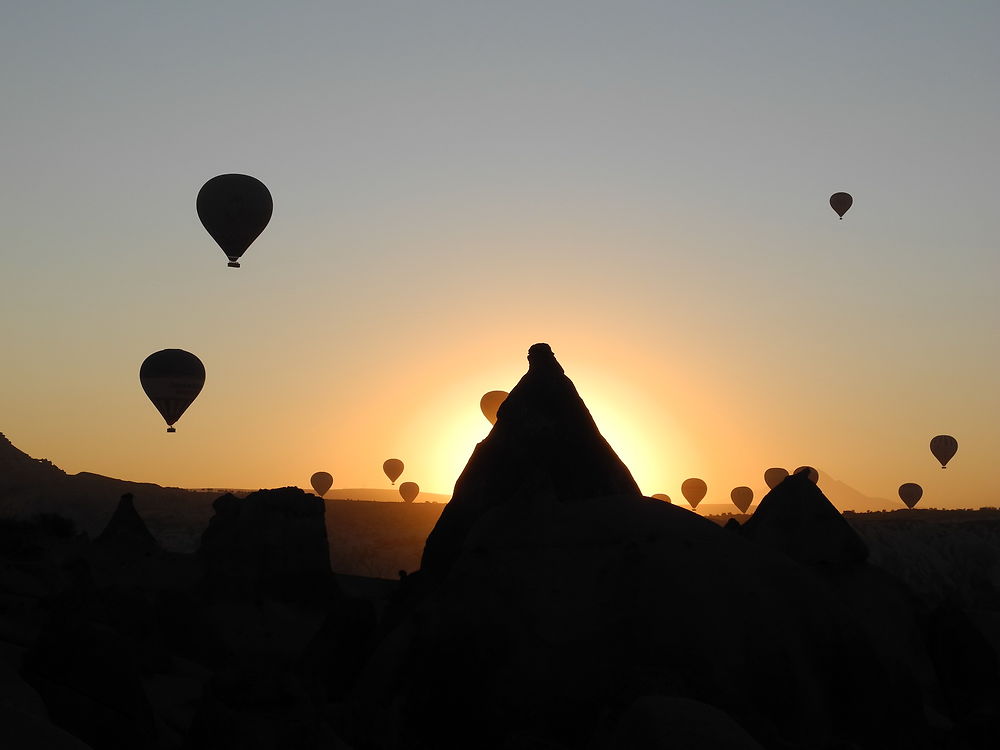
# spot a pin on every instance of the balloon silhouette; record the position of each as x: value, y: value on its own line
x: 840, y: 202
x: 742, y: 497
x: 393, y: 468
x: 775, y: 476
x: 172, y: 379
x: 661, y: 496
x: 234, y: 208
x: 813, y: 474
x: 321, y: 482
x: 490, y: 402
x: 694, y: 490
x: 409, y: 491
x: 910, y: 493
x: 944, y: 447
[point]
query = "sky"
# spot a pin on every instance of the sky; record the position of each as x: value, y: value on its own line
x: 642, y: 185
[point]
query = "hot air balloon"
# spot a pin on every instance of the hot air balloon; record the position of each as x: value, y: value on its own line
x: 393, y: 468
x: 910, y: 493
x: 840, y: 202
x: 774, y: 476
x: 409, y: 491
x: 490, y: 402
x: 234, y: 208
x: 661, y: 496
x: 944, y: 447
x: 694, y: 491
x: 742, y: 497
x: 172, y: 379
x: 813, y: 474
x: 321, y: 482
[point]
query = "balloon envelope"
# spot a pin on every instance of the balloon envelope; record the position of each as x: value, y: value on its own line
x: 944, y: 447
x: 321, y: 482
x: 172, y: 379
x: 490, y: 402
x: 694, y: 491
x: 393, y: 468
x: 910, y: 493
x: 774, y: 476
x: 813, y: 474
x: 661, y: 496
x: 840, y: 202
x: 742, y: 498
x: 409, y: 491
x: 234, y: 208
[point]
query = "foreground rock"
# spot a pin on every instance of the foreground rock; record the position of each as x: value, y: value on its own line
x: 272, y: 542
x: 552, y: 605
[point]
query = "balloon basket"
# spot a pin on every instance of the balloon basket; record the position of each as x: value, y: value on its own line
x: 233, y: 264
x: 171, y: 429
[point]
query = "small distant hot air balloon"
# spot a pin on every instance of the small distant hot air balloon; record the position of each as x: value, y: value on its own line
x: 944, y: 447
x: 393, y: 468
x: 234, y: 208
x: 661, y: 496
x: 774, y: 476
x: 409, y: 491
x: 742, y: 498
x: 694, y: 491
x: 321, y: 482
x: 910, y: 493
x: 172, y: 379
x: 813, y: 474
x: 841, y: 202
x: 490, y: 402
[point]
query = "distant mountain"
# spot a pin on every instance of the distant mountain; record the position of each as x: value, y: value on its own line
x: 29, y: 486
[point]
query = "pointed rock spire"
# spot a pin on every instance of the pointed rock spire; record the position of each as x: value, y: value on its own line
x: 797, y: 519
x: 126, y: 531
x: 544, y: 440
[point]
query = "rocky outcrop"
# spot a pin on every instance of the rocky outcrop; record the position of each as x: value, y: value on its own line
x: 556, y: 596
x: 126, y: 533
x: 271, y: 542
x: 796, y: 519
x: 545, y: 440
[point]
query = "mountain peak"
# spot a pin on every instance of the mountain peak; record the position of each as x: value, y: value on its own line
x: 545, y: 442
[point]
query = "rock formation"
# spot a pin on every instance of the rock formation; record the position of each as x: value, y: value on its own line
x: 558, y: 596
x: 126, y: 532
x: 544, y: 436
x: 271, y: 542
x: 796, y: 519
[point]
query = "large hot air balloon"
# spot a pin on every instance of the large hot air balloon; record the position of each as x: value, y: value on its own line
x: 393, y: 468
x: 694, y: 490
x: 774, y: 476
x: 840, y: 202
x: 661, y: 496
x: 742, y: 498
x: 409, y: 491
x: 490, y: 402
x: 910, y: 493
x: 234, y: 208
x: 813, y: 474
x: 944, y: 447
x: 321, y: 482
x: 172, y: 379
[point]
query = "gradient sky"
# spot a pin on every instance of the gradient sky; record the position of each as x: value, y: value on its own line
x: 643, y: 185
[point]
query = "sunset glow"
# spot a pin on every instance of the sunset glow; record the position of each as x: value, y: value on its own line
x: 482, y: 182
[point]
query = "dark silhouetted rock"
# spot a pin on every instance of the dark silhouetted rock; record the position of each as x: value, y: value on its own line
x: 271, y: 542
x: 126, y: 532
x: 796, y: 519
x: 544, y: 438
x: 559, y: 596
x: 656, y: 722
